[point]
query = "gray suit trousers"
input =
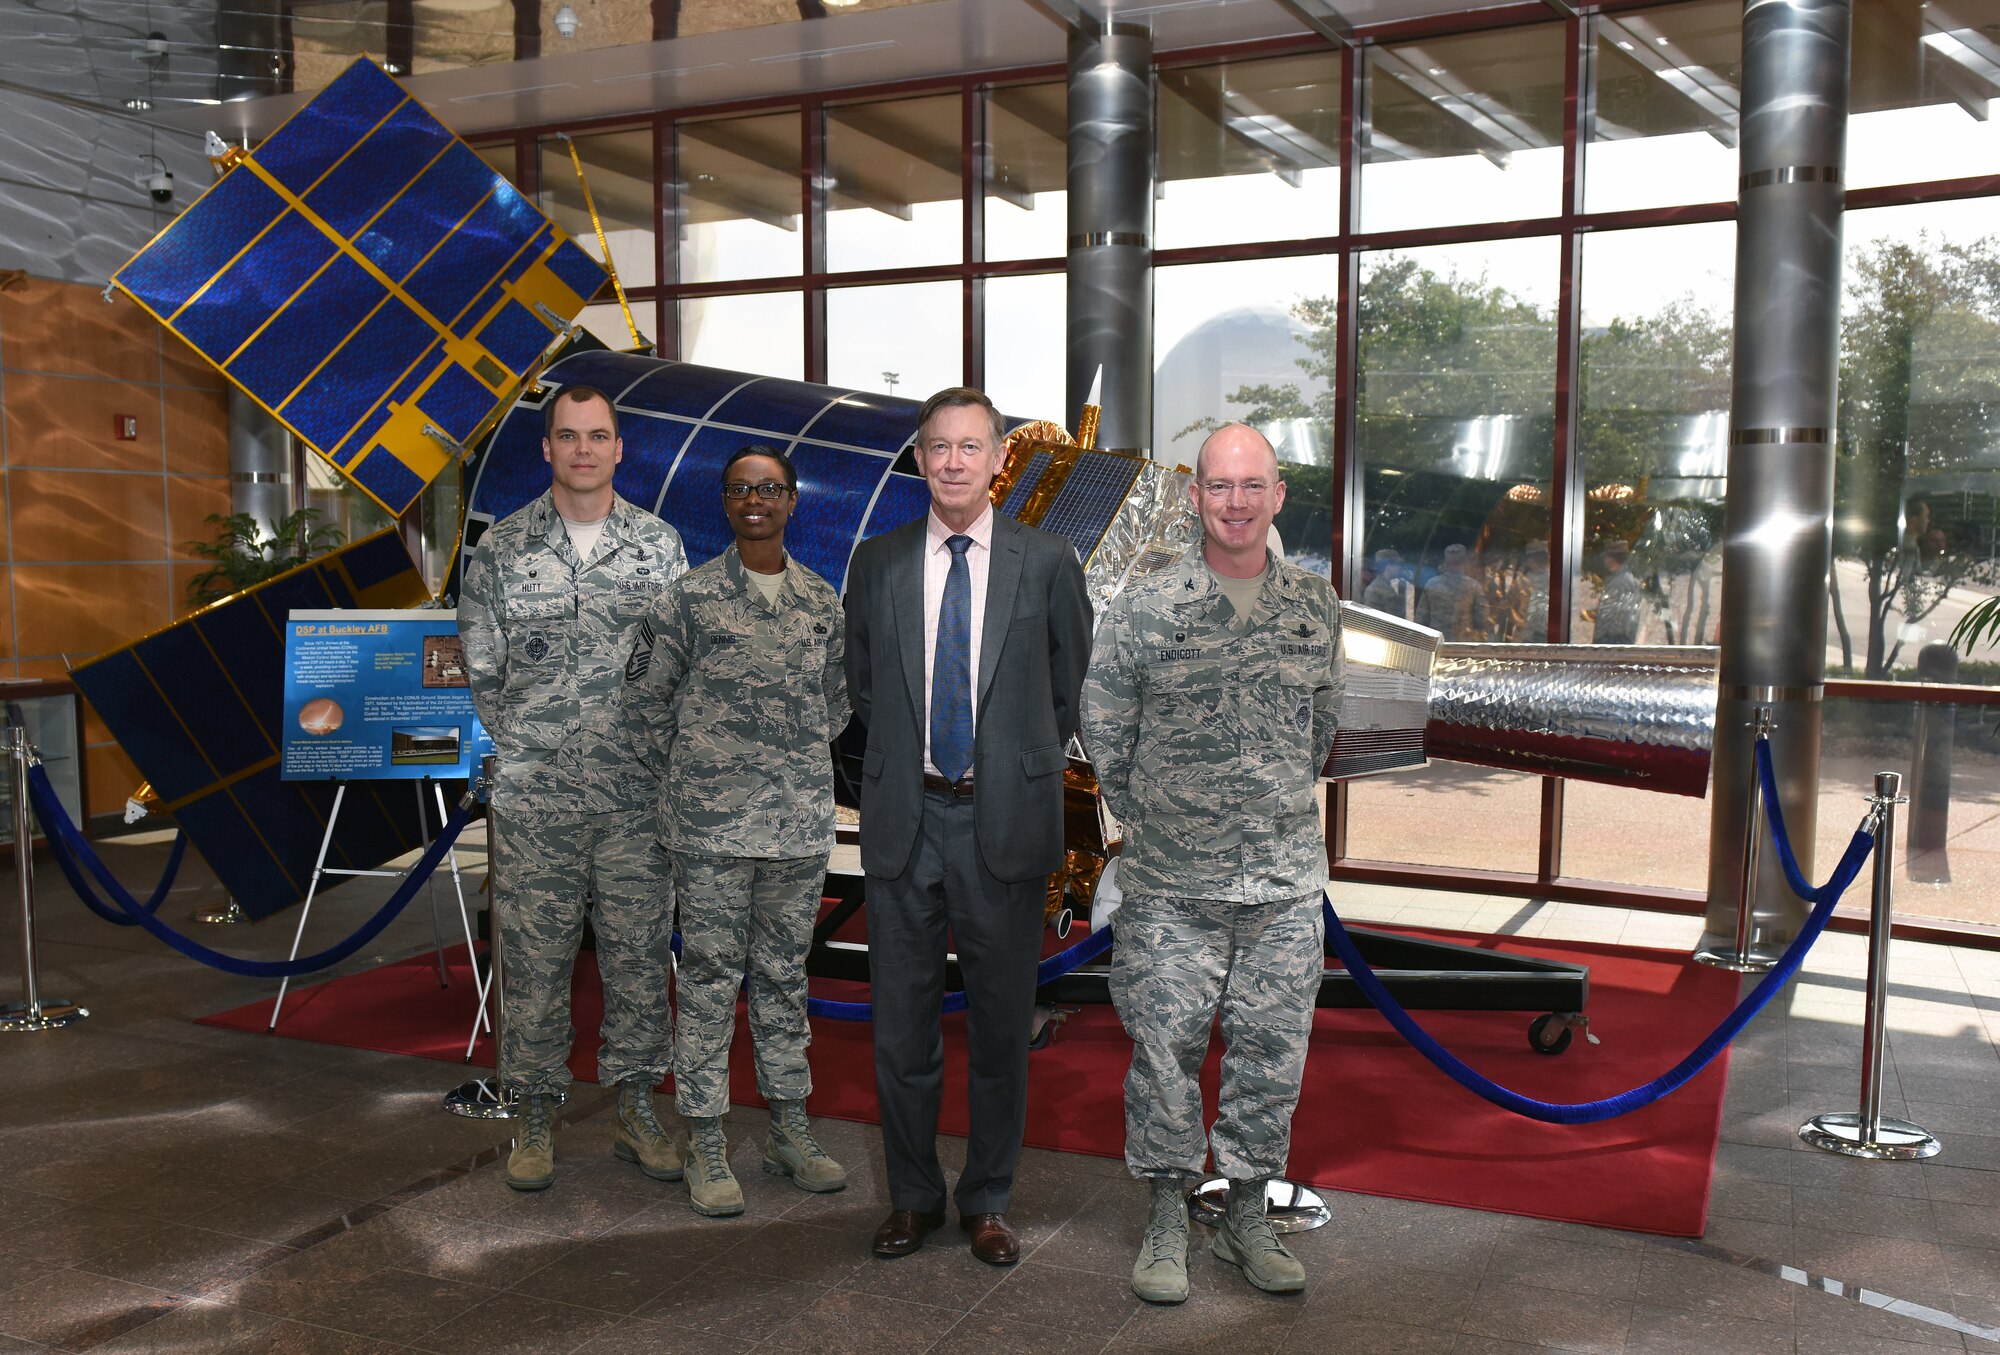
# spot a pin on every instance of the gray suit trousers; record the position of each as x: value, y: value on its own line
x: 996, y: 928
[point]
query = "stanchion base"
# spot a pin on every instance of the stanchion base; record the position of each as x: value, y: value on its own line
x: 1291, y: 1207
x: 486, y: 1098
x: 48, y: 1014
x: 1895, y: 1140
x: 1722, y: 955
x: 229, y: 911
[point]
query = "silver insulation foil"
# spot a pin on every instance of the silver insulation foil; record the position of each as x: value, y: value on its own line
x: 1151, y: 529
x: 1385, y: 700
x: 1627, y: 715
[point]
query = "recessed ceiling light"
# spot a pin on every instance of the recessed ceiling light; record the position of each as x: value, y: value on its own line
x: 1437, y: 70
x: 139, y: 105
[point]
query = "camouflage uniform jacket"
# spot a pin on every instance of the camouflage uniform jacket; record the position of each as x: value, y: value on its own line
x: 546, y: 638
x: 1208, y: 735
x: 743, y: 699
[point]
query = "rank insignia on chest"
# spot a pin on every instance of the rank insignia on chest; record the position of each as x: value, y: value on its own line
x: 536, y: 648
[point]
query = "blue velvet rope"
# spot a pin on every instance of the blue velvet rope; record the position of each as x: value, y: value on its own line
x: 66, y: 838
x: 1823, y: 900
x: 1057, y: 965
x: 80, y: 886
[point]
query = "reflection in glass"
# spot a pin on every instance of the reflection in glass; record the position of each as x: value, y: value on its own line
x: 763, y: 332
x: 619, y: 169
x: 1250, y: 340
x: 454, y: 33
x: 502, y: 158
x: 1652, y: 434
x: 1666, y: 108
x: 738, y: 197
x: 328, y: 34
x: 1635, y: 837
x: 1464, y: 129
x: 893, y: 188
x: 1027, y: 175
x: 1948, y: 837
x: 1446, y: 814
x: 1917, y: 458
x: 1249, y: 150
x: 1025, y: 317
x: 1453, y: 432
x: 606, y: 322
x: 906, y: 339
x: 1924, y: 77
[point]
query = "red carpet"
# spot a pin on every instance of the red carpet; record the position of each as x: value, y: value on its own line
x: 1373, y: 1116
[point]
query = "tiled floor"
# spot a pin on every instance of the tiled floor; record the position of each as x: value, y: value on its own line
x: 169, y: 1187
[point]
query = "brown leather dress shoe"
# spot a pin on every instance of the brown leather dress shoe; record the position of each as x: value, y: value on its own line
x: 992, y: 1240
x: 904, y: 1231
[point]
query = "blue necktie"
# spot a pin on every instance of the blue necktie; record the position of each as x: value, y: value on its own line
x: 951, y: 669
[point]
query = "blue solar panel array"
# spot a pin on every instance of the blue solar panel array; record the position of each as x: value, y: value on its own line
x: 199, y: 706
x: 682, y: 422
x: 366, y: 277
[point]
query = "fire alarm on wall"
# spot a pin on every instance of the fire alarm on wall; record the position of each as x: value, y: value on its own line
x: 126, y: 427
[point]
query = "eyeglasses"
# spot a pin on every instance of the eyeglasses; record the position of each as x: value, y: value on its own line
x: 1222, y: 489
x: 769, y: 489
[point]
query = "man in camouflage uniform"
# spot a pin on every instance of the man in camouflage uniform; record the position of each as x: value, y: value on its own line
x: 1209, y: 709
x: 1452, y: 603
x: 551, y: 602
x: 1389, y: 591
x: 1620, y: 600
x: 740, y: 674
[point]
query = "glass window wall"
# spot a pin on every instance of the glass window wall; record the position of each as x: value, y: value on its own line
x: 1917, y: 460
x: 903, y: 340
x: 762, y: 332
x: 1025, y: 318
x: 1248, y: 150
x: 1027, y: 172
x: 618, y: 166
x: 1666, y: 108
x: 1922, y: 85
x: 1464, y: 129
x: 1652, y: 433
x: 738, y: 197
x: 894, y: 194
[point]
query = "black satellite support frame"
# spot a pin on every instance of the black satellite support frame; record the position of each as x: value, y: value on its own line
x: 1422, y: 974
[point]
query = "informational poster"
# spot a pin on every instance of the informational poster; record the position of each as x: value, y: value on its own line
x: 378, y: 696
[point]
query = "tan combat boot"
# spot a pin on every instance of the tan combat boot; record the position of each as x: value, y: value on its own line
x: 712, y: 1187
x: 639, y: 1136
x: 532, y: 1164
x: 1245, y: 1239
x: 790, y: 1150
x: 1160, y: 1274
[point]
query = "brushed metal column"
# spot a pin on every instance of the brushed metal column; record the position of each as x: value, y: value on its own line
x: 1111, y: 229
x: 1777, y: 546
x: 260, y: 463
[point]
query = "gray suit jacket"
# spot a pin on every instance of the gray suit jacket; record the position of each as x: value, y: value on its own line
x: 1032, y: 656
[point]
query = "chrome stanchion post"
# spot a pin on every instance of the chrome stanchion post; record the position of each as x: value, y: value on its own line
x: 1742, y: 957
x: 1290, y: 1207
x: 1867, y: 1132
x: 33, y: 1011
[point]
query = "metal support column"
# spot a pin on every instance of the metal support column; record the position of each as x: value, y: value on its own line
x: 1111, y: 229
x: 1777, y: 534
x: 260, y: 463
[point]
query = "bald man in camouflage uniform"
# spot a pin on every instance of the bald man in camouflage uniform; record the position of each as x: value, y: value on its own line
x: 1209, y: 709
x: 740, y: 672
x: 547, y: 630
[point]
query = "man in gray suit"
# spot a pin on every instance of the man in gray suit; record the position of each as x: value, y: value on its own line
x: 967, y: 639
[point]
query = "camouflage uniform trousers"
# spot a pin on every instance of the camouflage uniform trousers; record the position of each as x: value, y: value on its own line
x: 545, y: 870
x: 1176, y: 962
x: 738, y: 914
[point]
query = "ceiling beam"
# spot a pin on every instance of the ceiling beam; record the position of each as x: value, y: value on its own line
x: 1322, y: 19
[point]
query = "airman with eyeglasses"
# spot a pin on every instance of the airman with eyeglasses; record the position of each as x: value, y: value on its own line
x: 739, y: 673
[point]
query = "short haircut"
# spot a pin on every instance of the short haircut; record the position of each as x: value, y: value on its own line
x: 1455, y: 552
x: 760, y: 449
x: 575, y: 393
x: 1388, y: 555
x: 1621, y: 551
x: 961, y: 397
